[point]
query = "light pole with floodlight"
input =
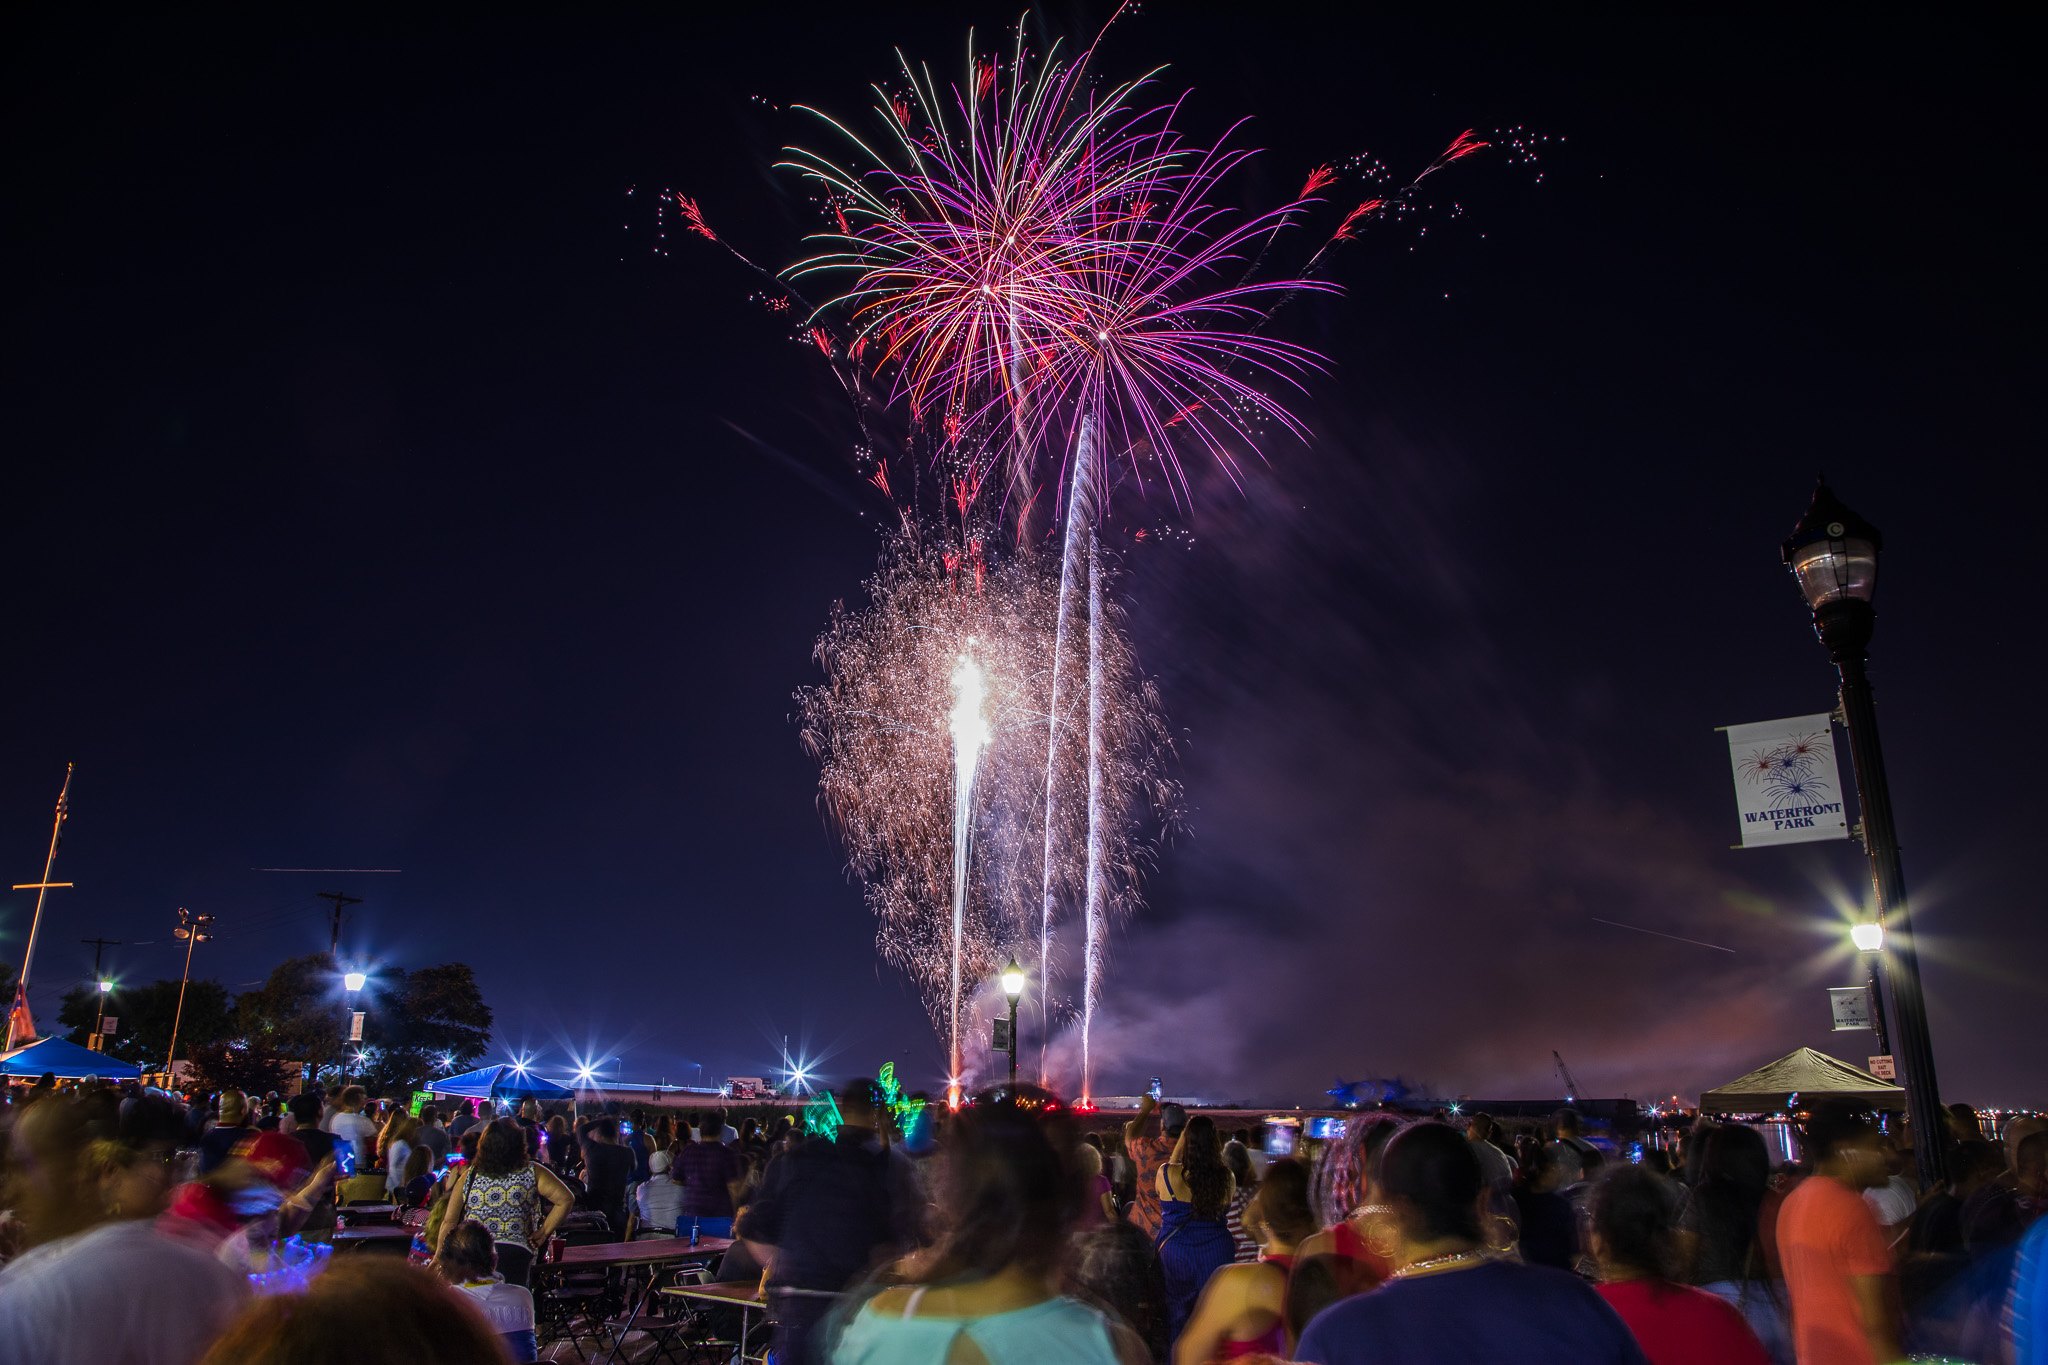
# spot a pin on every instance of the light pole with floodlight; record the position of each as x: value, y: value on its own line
x: 1833, y: 553
x: 1013, y: 988
x: 352, y: 982
x: 99, y: 1023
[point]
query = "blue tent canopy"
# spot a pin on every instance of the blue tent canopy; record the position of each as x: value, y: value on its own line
x: 66, y: 1061
x: 489, y: 1082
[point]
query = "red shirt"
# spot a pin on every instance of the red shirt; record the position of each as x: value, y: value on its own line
x: 1678, y: 1325
x: 1827, y: 1236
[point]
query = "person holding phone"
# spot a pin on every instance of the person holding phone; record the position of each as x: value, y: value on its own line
x: 1149, y: 1153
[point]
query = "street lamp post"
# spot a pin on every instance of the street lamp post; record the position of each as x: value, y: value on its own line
x: 1013, y: 987
x: 1833, y: 554
x: 99, y: 1021
x: 191, y: 928
x: 351, y: 982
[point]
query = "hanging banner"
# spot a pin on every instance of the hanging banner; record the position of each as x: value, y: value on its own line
x: 1788, y: 789
x: 1850, y: 1006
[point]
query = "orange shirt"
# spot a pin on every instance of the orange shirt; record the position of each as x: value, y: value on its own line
x: 1826, y: 1236
x: 1147, y: 1155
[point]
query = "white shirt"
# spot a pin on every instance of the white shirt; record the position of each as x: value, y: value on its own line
x: 361, y: 1135
x: 508, y: 1306
x: 1893, y: 1202
x: 120, y: 1293
x: 395, y: 1157
x: 1494, y: 1164
x: 660, y: 1202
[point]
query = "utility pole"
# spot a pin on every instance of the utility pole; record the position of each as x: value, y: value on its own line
x: 100, y: 986
x: 342, y: 900
x: 191, y: 928
x: 18, y: 1014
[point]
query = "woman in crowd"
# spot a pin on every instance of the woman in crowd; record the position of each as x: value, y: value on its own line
x: 560, y: 1145
x: 1635, y: 1226
x: 1238, y: 1157
x: 1194, y: 1195
x: 1357, y: 1229
x: 988, y: 1288
x: 505, y: 1191
x: 1115, y: 1267
x: 1243, y: 1308
x: 1719, y: 1238
x: 394, y: 1149
x: 469, y: 1261
x: 1101, y: 1203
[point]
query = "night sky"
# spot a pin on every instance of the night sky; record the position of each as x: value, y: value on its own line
x: 378, y: 496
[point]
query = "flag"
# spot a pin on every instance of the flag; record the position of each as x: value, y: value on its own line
x: 1788, y: 789
x: 21, y: 1025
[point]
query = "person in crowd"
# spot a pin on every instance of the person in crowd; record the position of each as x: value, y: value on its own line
x: 505, y: 1190
x: 1313, y: 1284
x: 1148, y: 1154
x: 1194, y: 1194
x: 1960, y: 1122
x: 469, y: 1261
x: 1116, y: 1268
x: 1571, y: 1133
x: 1549, y: 1224
x: 715, y: 1123
x: 394, y: 1148
x: 1720, y: 1231
x: 529, y: 1126
x: 1894, y: 1202
x: 1101, y: 1205
x: 230, y: 1127
x: 1243, y: 1308
x: 1843, y: 1295
x: 558, y: 1145
x: 1999, y: 1211
x: 362, y: 1310
x: 434, y: 1134
x: 465, y: 1116
x: 827, y: 1211
x: 2026, y: 1312
x: 707, y: 1169
x: 658, y: 1200
x: 1238, y: 1158
x: 1937, y: 1226
x: 1635, y: 1244
x: 988, y: 1287
x: 353, y: 1126
x: 1450, y: 1300
x: 1497, y: 1166
x: 321, y: 1148
x: 112, y: 1288
x: 607, y: 1171
x: 235, y: 1211
x: 1357, y: 1230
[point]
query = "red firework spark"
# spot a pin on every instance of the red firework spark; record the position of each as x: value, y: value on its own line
x: 880, y: 479
x: 1189, y: 411
x: 822, y: 339
x: 901, y: 106
x: 1462, y: 146
x: 984, y: 78
x: 1318, y: 178
x: 953, y: 424
x: 1348, y: 229
x: 694, y: 217
x: 840, y: 214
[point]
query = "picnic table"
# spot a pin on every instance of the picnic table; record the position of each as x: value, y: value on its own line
x: 745, y: 1295
x: 650, y: 1252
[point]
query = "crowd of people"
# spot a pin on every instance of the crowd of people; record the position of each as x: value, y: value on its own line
x: 139, y: 1226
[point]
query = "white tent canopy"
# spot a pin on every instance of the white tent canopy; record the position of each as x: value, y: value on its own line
x: 1798, y: 1079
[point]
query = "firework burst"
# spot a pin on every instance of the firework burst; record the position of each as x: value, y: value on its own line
x: 885, y: 726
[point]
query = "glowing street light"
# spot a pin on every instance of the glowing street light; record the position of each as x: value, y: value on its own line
x: 106, y: 986
x: 1013, y: 988
x: 1833, y: 555
x: 1868, y: 938
x: 354, y: 981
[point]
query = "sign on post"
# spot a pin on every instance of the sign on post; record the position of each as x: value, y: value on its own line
x: 355, y: 1026
x: 1851, y: 1006
x: 1882, y: 1068
x: 1788, y: 788
x: 109, y: 1026
x: 420, y: 1100
x: 1002, y: 1038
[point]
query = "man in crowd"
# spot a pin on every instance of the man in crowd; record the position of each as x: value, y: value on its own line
x: 1570, y: 1133
x: 356, y: 1128
x: 1497, y: 1166
x: 1148, y: 1154
x: 1838, y: 1270
x: 320, y: 1154
x: 828, y: 1212
x: 529, y: 1124
x: 230, y: 1128
x: 607, y: 1171
x: 465, y: 1116
x: 707, y: 1169
x: 433, y: 1136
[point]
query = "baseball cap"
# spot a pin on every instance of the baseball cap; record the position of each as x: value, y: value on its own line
x: 658, y: 1162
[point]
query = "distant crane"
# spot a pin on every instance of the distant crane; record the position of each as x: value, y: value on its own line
x: 1564, y: 1073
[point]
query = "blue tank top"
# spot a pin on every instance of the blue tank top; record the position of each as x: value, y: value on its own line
x: 1191, y: 1249
x: 1058, y: 1329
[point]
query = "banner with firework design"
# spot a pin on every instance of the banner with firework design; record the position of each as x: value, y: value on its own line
x: 1788, y: 788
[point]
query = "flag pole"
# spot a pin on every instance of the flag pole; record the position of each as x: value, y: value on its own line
x: 20, y: 1012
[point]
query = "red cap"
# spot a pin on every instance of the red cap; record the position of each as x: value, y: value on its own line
x: 279, y: 1159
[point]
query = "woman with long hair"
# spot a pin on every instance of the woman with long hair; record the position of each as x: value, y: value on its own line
x: 1635, y: 1243
x: 394, y: 1148
x: 504, y: 1190
x: 989, y: 1287
x: 1243, y: 1308
x: 1195, y: 1189
x: 1238, y: 1158
x: 1357, y: 1223
x: 1719, y: 1240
